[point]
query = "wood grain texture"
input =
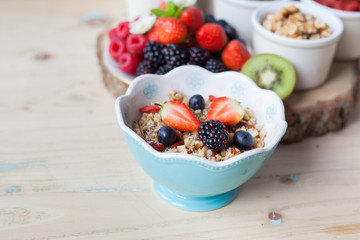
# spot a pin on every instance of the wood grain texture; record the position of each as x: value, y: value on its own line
x: 66, y: 172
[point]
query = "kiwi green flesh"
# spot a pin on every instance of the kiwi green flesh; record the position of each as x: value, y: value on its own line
x: 272, y: 72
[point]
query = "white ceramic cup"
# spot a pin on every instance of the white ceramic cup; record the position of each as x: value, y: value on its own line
x: 135, y: 8
x: 311, y: 59
x: 238, y: 14
x: 349, y: 45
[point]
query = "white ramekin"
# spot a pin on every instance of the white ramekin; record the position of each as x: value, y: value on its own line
x: 238, y: 14
x: 311, y: 58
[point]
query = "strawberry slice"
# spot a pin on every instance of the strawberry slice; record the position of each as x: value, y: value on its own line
x: 150, y: 109
x: 226, y: 110
x: 178, y: 116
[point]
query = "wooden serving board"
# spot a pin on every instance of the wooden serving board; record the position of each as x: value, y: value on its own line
x: 308, y: 113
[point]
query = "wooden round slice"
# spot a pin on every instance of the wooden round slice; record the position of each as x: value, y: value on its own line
x: 323, y: 109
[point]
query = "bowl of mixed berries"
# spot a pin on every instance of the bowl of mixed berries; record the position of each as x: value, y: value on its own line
x: 196, y: 137
x: 171, y: 36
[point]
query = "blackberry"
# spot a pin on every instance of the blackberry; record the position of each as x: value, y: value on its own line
x: 198, y: 56
x: 213, y: 135
x: 153, y: 52
x: 209, y: 18
x: 230, y: 31
x: 215, y: 66
x: 145, y: 67
x: 163, y: 69
x: 175, y: 54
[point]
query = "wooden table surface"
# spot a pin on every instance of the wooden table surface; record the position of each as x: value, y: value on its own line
x: 67, y: 173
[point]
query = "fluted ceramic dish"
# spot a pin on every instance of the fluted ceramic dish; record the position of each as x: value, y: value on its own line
x: 186, y: 181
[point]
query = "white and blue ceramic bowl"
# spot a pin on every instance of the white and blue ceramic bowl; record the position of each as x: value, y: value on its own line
x: 190, y: 182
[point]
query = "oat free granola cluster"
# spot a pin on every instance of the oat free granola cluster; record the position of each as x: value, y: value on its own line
x: 189, y: 142
x: 290, y: 22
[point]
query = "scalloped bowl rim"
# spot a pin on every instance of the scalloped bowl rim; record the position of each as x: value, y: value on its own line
x: 191, y: 158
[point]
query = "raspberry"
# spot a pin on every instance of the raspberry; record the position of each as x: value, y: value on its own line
x: 198, y: 56
x: 112, y: 34
x: 175, y: 54
x: 213, y: 135
x: 117, y: 48
x: 128, y: 63
x: 135, y: 44
x: 153, y: 52
x: 123, y: 30
x: 215, y: 66
x: 146, y: 67
x: 163, y: 69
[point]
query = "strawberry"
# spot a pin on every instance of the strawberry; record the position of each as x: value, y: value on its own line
x: 211, y: 36
x: 153, y: 35
x: 235, y: 55
x: 226, y: 110
x: 171, y: 30
x: 192, y: 17
x: 150, y: 109
x: 162, y: 5
x: 178, y: 116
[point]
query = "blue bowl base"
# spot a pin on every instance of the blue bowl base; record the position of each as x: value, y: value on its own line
x: 194, y: 203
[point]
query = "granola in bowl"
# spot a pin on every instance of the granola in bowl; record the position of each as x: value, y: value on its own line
x: 213, y: 128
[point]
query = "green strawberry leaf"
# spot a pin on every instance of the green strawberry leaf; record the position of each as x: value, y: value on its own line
x: 159, y: 12
x: 172, y: 11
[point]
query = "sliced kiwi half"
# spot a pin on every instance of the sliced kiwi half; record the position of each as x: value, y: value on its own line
x: 272, y: 72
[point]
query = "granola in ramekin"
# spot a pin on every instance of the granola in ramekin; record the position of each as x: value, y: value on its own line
x: 290, y: 22
x: 189, y: 142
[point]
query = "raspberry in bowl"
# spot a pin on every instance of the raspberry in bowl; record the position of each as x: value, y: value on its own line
x: 181, y: 175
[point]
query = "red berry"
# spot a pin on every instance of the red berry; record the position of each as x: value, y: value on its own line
x: 178, y: 116
x: 235, y: 55
x: 153, y: 35
x: 192, y: 17
x: 162, y: 5
x: 135, y: 44
x: 171, y: 30
x: 150, y: 109
x: 226, y: 110
x: 117, y: 48
x: 128, y: 63
x: 352, y: 6
x: 211, y: 36
x: 123, y: 30
x: 112, y: 34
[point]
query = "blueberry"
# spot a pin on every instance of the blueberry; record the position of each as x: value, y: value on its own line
x: 243, y: 140
x: 197, y: 102
x: 166, y: 135
x: 209, y: 18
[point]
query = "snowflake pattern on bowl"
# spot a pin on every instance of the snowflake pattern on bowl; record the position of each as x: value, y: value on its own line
x: 150, y: 89
x: 271, y: 113
x: 238, y: 91
x: 194, y: 81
